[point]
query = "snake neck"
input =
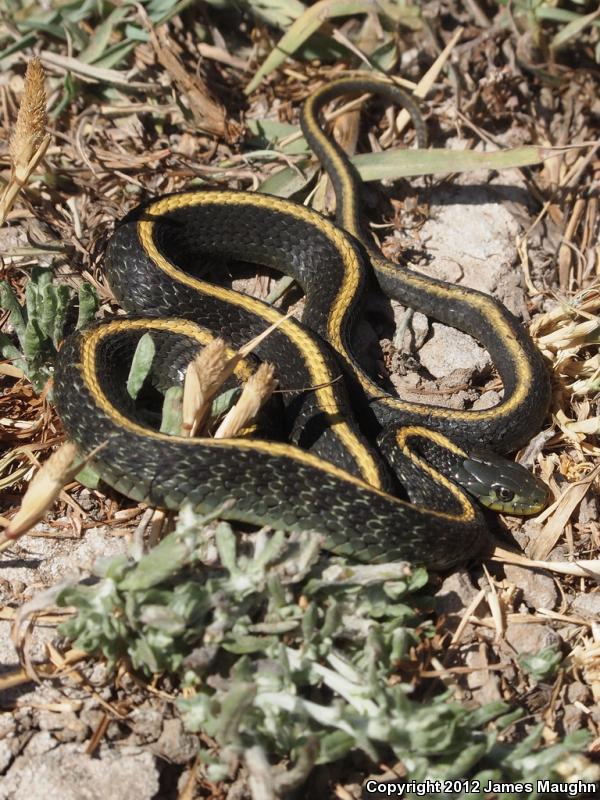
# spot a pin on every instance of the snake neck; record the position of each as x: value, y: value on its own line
x: 344, y: 177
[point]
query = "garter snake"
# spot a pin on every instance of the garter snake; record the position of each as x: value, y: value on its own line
x: 329, y: 478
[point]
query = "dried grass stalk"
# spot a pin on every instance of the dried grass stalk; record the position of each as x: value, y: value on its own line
x: 29, y: 142
x: 255, y: 393
x: 47, y: 484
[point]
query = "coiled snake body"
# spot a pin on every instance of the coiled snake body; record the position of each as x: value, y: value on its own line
x: 330, y: 479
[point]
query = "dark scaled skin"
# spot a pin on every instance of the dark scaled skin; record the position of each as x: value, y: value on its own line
x: 461, y: 307
x: 265, y: 488
x: 272, y: 239
x: 281, y: 487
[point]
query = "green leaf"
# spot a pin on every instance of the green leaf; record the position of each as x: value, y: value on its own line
x: 49, y: 305
x: 385, y: 56
x: 272, y: 132
x: 395, y: 164
x: 141, y: 365
x: 116, y: 54
x: 299, y: 32
x: 225, y: 541
x: 101, y: 35
x: 33, y: 342
x: 63, y: 297
x: 9, y: 302
x: 545, y: 12
x: 88, y: 477
x: 74, y: 33
x: 158, y: 565
x: 172, y: 411
x: 16, y: 47
x: 223, y: 402
x: 88, y: 305
x: 542, y: 666
x: 573, y: 29
x: 12, y: 353
x: 288, y: 182
x: 279, y: 13
x: 32, y: 301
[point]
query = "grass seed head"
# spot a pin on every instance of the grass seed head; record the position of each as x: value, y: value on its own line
x: 44, y: 488
x: 32, y: 120
x: 204, y: 377
x: 255, y: 393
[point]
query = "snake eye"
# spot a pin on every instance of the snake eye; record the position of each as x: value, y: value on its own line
x: 505, y: 494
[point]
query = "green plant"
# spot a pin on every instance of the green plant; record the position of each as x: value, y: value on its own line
x: 39, y: 325
x: 542, y: 666
x: 555, y: 25
x: 289, y: 657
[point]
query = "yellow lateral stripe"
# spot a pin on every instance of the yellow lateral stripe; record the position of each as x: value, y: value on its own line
x: 468, y: 511
x: 346, y: 293
x: 404, y: 433
x: 319, y: 373
x: 92, y: 338
x: 487, y: 308
x: 350, y: 206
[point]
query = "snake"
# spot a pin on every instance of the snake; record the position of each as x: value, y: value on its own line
x: 415, y: 494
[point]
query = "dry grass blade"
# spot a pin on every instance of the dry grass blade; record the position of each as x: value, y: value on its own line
x: 562, y: 511
x: 209, y: 115
x: 581, y: 568
x: 48, y: 669
x: 92, y: 73
x: 29, y: 142
x: 429, y: 78
x: 586, y: 657
x: 247, y: 348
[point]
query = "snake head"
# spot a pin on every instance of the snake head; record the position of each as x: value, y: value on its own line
x: 502, y: 485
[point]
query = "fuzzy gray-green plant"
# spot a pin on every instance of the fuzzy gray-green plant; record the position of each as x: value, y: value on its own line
x: 291, y: 656
x: 39, y: 325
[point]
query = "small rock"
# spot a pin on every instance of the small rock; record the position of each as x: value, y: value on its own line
x: 484, y: 684
x: 474, y: 239
x: 539, y: 590
x: 453, y: 597
x: 573, y: 719
x: 68, y: 773
x: 146, y: 723
x: 92, y: 717
x: 85, y: 500
x: 8, y: 749
x: 175, y: 745
x: 486, y: 400
x: 67, y: 724
x: 40, y: 743
x: 450, y: 352
x: 420, y: 329
x: 530, y: 637
x: 8, y: 725
x: 587, y: 605
x: 578, y: 693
